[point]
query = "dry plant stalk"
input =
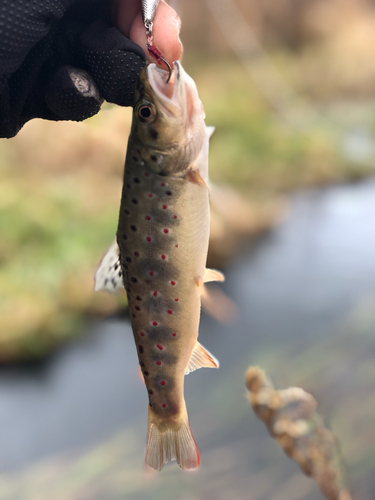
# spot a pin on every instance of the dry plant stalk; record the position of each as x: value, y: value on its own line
x: 291, y: 419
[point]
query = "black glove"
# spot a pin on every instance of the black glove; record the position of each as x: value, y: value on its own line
x: 59, y: 59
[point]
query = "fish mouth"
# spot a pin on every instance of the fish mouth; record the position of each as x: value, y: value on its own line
x: 170, y: 96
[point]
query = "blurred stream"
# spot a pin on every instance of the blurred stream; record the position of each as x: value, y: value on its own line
x: 297, y: 290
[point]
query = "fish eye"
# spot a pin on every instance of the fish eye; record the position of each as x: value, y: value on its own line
x: 146, y: 111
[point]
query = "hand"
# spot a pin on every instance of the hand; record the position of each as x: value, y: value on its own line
x: 59, y: 59
x: 165, y: 31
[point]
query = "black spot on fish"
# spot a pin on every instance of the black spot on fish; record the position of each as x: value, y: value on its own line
x: 168, y: 193
x: 159, y: 334
x: 153, y: 134
x: 126, y: 212
x: 142, y: 267
x: 137, y: 308
x: 150, y: 391
x: 124, y: 237
x: 142, y: 364
x: 136, y: 180
x: 128, y: 186
x: 163, y: 217
x: 135, y: 201
x: 133, y: 280
x: 153, y: 158
x: 146, y: 374
x: 140, y: 348
x: 135, y: 158
x: 166, y: 357
x: 138, y: 297
x: 128, y: 259
x: 133, y: 228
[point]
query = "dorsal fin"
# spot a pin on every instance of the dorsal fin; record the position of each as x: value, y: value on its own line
x: 212, y: 275
x: 201, y: 358
x: 108, y: 277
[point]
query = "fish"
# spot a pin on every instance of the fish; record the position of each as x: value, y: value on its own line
x: 160, y: 252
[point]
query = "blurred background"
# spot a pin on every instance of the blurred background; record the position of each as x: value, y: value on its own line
x: 290, y: 87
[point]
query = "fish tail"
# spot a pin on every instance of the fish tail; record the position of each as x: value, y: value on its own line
x: 169, y: 440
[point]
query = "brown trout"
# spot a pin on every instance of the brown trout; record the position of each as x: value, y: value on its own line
x: 161, y: 251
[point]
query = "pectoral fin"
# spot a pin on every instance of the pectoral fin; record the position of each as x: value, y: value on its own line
x: 108, y: 277
x: 212, y: 275
x: 201, y: 358
x: 195, y: 177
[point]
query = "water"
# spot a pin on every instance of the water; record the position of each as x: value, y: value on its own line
x: 297, y: 290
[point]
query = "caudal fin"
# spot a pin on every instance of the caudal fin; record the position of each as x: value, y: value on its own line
x: 174, y: 442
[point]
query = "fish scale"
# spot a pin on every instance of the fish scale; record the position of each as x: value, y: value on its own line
x: 162, y: 243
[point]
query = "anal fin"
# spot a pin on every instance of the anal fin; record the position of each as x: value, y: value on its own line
x: 201, y: 358
x: 108, y: 277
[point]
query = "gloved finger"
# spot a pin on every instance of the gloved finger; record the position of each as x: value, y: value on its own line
x: 166, y: 28
x: 113, y: 60
x: 71, y: 94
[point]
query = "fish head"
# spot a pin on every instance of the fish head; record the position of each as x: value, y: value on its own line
x: 168, y: 119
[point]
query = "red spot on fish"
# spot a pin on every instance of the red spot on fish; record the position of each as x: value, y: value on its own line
x: 150, y: 195
x: 159, y: 346
x: 163, y: 257
x: 175, y: 216
x: 165, y: 206
x: 148, y: 238
x: 166, y: 231
x: 155, y: 293
x: 155, y: 323
x: 163, y: 382
x: 162, y: 184
x: 176, y: 300
x: 158, y: 363
x: 173, y: 334
x: 142, y: 334
x: 176, y: 245
x: 147, y: 174
x: 136, y: 254
x: 148, y: 217
x: 164, y: 405
x: 173, y: 283
x: 170, y: 311
x: 151, y: 273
